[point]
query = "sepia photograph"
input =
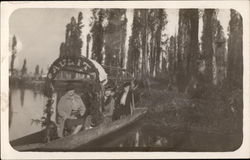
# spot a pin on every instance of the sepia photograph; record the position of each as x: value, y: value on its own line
x: 104, y: 79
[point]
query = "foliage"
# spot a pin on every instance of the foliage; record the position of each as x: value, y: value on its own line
x: 13, y: 54
x: 145, y: 45
x: 73, y: 42
x: 97, y: 32
x: 115, y: 33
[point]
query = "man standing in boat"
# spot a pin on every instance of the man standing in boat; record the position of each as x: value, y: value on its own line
x: 70, y: 112
x: 124, y: 102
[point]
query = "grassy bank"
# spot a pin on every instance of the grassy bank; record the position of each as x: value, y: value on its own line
x: 218, y: 111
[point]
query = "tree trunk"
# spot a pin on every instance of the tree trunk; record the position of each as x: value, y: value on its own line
x: 235, y: 46
x: 207, y: 43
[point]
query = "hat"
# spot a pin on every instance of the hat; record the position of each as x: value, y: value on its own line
x: 70, y: 87
x: 108, y: 87
x: 126, y: 84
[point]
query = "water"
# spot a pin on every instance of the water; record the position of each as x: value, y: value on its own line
x: 147, y: 137
x: 25, y: 106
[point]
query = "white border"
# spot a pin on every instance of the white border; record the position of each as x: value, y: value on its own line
x: 7, y: 8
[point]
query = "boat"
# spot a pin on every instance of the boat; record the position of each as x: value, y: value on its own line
x: 43, y: 141
x: 72, y: 142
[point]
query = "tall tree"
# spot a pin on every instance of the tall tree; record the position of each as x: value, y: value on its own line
x: 152, y: 24
x: 220, y: 54
x: 41, y: 71
x: 144, y: 56
x: 115, y: 37
x: 235, y: 46
x: 187, y: 46
x: 144, y: 44
x: 135, y: 42
x: 37, y: 70
x: 207, y: 41
x: 97, y: 32
x: 13, y: 54
x: 24, y: 68
x: 194, y: 44
x: 73, y: 42
x: 171, y: 55
x: 160, y: 16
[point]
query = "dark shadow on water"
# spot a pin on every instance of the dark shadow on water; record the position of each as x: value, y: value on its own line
x: 139, y: 137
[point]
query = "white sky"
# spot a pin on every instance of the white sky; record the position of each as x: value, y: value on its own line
x: 224, y: 18
x: 130, y: 17
x: 40, y: 31
x: 200, y: 24
x: 87, y: 14
x: 173, y: 20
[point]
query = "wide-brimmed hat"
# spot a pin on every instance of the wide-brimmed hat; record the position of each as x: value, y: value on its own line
x: 109, y: 87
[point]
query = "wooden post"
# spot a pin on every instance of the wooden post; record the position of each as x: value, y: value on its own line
x: 133, y: 103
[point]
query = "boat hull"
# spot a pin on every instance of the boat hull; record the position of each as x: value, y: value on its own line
x: 73, y: 141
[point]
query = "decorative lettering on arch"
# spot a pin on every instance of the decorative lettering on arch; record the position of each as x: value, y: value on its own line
x: 74, y: 64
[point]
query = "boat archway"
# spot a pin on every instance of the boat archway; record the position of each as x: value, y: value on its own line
x: 74, y: 64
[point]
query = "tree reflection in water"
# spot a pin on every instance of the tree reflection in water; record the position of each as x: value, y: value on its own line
x: 35, y: 94
x: 22, y: 94
x: 146, y: 136
x: 10, y: 107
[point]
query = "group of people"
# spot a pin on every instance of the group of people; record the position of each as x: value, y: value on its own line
x: 71, y: 110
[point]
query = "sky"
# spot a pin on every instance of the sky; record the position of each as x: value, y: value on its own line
x: 173, y: 19
x: 40, y: 31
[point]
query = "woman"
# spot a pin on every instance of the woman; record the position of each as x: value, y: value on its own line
x: 70, y: 112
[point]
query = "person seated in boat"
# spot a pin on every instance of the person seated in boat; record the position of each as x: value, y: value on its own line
x: 109, y: 102
x: 124, y: 104
x: 70, y: 112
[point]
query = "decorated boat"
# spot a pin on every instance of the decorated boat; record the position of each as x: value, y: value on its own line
x: 89, y: 76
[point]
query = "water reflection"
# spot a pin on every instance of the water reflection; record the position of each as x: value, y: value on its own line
x: 142, y: 138
x: 22, y: 94
x: 35, y: 94
x: 10, y: 108
x: 24, y: 107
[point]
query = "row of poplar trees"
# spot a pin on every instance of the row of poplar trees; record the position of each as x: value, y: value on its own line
x: 177, y: 58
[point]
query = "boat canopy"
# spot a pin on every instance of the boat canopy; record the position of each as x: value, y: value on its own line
x: 103, y: 77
